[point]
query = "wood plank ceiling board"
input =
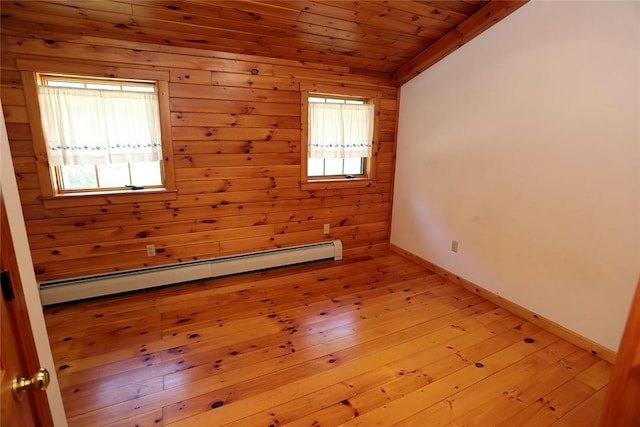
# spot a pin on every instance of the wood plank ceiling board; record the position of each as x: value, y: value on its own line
x: 389, y: 39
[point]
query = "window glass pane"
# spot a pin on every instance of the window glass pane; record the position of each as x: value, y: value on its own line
x: 315, y: 99
x: 335, y: 101
x: 113, y: 175
x: 146, y: 173
x: 77, y: 177
x: 64, y: 83
x: 353, y: 166
x: 138, y: 88
x: 102, y: 86
x: 315, y: 167
x: 333, y: 166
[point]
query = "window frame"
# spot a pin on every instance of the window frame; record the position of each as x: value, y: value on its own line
x: 364, y: 161
x: 368, y: 179
x: 50, y: 195
x: 57, y: 172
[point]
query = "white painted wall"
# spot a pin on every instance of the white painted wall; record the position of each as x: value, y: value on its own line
x: 524, y: 145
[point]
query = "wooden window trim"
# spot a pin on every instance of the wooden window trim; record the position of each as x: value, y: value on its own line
x: 68, y: 200
x: 49, y: 195
x: 329, y: 183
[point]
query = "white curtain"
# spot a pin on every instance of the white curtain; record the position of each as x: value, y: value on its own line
x: 340, y: 130
x: 87, y: 126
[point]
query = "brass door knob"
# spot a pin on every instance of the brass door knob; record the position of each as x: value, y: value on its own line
x: 20, y: 384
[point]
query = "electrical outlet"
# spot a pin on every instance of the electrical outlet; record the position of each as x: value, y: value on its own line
x: 454, y: 246
x: 326, y: 228
x: 151, y: 250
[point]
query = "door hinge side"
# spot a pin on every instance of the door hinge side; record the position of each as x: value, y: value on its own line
x: 7, y: 287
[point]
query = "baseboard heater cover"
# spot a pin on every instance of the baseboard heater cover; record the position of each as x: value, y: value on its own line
x: 59, y: 291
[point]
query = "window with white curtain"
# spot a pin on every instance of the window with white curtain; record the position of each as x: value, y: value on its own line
x: 101, y: 134
x: 340, y: 136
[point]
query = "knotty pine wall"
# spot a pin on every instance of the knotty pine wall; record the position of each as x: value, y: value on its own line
x: 236, y: 139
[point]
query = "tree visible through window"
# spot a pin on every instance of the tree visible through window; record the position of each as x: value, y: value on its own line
x: 101, y: 134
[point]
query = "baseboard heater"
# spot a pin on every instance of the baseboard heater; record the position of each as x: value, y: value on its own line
x: 58, y: 291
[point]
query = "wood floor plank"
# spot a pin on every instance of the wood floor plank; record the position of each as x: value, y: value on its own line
x: 369, y: 340
x: 550, y: 407
x: 358, y: 385
x: 175, y: 342
x: 413, y: 403
x: 411, y: 373
x: 516, y: 398
x: 192, y: 355
x: 597, y: 376
x: 483, y: 393
x: 329, y: 365
x: 149, y: 419
x: 586, y: 414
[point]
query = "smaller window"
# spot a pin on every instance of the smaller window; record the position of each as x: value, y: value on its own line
x: 101, y: 134
x: 338, y: 136
x: 332, y: 162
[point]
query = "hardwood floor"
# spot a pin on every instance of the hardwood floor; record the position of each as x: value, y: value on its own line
x: 360, y: 342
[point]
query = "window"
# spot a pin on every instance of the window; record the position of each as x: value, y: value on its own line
x: 100, y: 134
x: 338, y: 137
x: 328, y: 147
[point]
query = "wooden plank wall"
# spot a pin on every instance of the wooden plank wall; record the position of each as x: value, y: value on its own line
x: 237, y: 155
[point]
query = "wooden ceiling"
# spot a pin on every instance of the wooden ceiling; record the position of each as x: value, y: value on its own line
x: 395, y: 39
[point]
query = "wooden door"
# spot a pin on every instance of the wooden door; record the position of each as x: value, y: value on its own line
x: 622, y: 404
x: 17, y: 348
